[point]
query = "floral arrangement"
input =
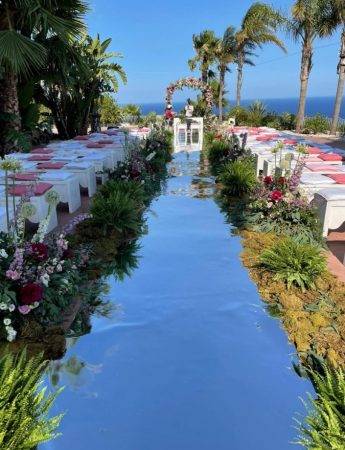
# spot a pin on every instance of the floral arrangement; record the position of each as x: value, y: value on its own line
x: 194, y: 83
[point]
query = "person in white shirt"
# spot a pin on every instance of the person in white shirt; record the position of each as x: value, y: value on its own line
x: 189, y: 109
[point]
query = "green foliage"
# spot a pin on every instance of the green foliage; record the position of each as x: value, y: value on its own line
x: 288, y: 121
x: 109, y: 110
x: 257, y: 113
x: 324, y: 425
x: 131, y: 112
x: 135, y: 190
x: 294, y: 263
x: 316, y: 124
x: 24, y: 406
x: 217, y: 152
x: 117, y: 211
x: 240, y: 114
x: 238, y: 178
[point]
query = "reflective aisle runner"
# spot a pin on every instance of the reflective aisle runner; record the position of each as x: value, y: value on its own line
x: 193, y: 362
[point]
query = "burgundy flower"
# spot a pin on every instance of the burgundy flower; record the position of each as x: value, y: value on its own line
x: 31, y: 293
x: 134, y: 173
x: 68, y: 254
x: 276, y: 196
x: 39, y: 252
x: 268, y: 180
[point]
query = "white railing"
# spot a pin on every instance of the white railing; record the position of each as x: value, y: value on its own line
x: 188, y: 138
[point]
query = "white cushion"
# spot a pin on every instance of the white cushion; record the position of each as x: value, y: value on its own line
x: 315, y: 178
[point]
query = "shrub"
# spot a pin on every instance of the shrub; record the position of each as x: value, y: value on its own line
x: 218, y: 152
x: 294, y: 263
x: 257, y: 113
x: 238, y: 178
x: 324, y: 426
x: 118, y: 212
x: 240, y: 114
x: 316, y: 124
x: 24, y: 406
x: 134, y: 189
x: 288, y: 121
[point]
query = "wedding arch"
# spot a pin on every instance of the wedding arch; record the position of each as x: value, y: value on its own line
x: 193, y: 83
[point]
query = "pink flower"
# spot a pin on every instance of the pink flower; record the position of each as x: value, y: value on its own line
x: 269, y: 205
x: 24, y: 309
x: 59, y: 268
x: 13, y: 275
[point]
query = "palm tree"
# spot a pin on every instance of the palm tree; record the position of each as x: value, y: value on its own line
x: 311, y: 19
x: 339, y: 19
x: 20, y: 55
x: 205, y: 46
x: 258, y: 28
x: 71, y: 86
x: 225, y: 54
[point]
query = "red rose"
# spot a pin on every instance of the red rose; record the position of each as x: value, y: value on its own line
x: 276, y: 196
x: 268, y: 180
x: 31, y: 293
x: 39, y: 252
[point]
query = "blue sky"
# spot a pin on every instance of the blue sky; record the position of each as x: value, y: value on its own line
x: 155, y: 39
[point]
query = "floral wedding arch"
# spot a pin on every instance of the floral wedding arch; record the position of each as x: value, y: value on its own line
x: 194, y: 83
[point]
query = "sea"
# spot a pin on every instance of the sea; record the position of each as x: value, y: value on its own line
x: 315, y: 105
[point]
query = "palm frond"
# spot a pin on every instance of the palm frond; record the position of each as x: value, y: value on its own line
x: 19, y: 53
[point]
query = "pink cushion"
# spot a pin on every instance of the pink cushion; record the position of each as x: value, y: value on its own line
x: 331, y: 157
x: 42, y: 151
x: 290, y: 141
x: 339, y: 178
x: 81, y: 138
x: 48, y: 165
x: 95, y: 146
x: 314, y: 151
x: 322, y: 168
x: 40, y: 158
x: 38, y: 190
x: 263, y: 138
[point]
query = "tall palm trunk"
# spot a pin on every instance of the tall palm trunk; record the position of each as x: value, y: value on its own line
x: 9, y: 110
x: 306, y: 63
x: 340, y: 88
x: 240, y: 64
x: 221, y: 93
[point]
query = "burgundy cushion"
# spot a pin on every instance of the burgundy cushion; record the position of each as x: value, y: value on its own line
x: 29, y: 176
x: 331, y: 157
x: 38, y: 190
x: 51, y: 165
x: 40, y: 158
x: 108, y: 141
x: 81, y: 138
x: 95, y: 146
x: 42, y: 151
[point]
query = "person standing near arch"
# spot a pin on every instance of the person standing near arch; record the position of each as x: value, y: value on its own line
x: 189, y: 110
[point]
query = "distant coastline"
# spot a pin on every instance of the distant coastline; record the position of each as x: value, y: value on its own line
x: 322, y: 105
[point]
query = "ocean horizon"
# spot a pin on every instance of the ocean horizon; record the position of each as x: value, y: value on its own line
x: 314, y: 105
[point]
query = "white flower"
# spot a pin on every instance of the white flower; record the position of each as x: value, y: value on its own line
x: 11, y: 337
x: 45, y: 279
x: 3, y: 306
x: 11, y: 308
x: 27, y: 210
x: 3, y: 253
x: 7, y: 321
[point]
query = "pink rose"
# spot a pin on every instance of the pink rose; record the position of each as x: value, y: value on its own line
x: 24, y: 309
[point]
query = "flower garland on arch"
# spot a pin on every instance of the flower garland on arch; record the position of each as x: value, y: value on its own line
x: 194, y: 83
